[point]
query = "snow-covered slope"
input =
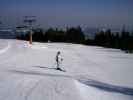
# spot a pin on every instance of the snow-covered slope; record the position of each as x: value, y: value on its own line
x: 27, y: 72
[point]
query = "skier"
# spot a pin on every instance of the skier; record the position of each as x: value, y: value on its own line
x: 58, y: 60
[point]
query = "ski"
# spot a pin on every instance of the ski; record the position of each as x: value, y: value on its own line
x: 60, y: 69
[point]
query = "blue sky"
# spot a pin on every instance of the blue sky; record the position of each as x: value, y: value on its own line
x: 62, y: 13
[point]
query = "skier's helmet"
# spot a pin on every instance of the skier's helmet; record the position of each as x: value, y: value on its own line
x: 58, y: 52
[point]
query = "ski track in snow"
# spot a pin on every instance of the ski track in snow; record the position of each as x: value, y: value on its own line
x: 3, y: 50
x: 31, y: 90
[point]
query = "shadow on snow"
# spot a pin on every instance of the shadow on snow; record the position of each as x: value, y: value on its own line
x: 39, y: 73
x: 43, y: 67
x: 107, y: 87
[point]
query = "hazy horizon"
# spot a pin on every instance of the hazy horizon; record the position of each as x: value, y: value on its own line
x: 61, y: 13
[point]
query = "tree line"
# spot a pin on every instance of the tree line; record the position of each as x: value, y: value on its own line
x: 70, y: 35
x: 122, y: 40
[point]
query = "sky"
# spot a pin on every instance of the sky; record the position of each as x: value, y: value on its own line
x: 62, y: 13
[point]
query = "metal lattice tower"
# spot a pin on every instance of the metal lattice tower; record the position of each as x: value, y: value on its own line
x: 30, y: 20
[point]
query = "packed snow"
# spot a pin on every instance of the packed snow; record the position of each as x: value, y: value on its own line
x: 27, y: 72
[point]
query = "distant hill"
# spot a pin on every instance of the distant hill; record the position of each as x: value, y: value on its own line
x: 90, y: 32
